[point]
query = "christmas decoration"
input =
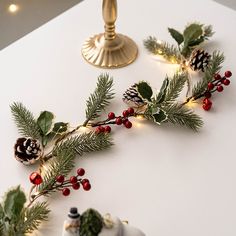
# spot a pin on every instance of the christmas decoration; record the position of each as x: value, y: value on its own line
x: 199, y: 60
x: 187, y: 52
x: 27, y: 150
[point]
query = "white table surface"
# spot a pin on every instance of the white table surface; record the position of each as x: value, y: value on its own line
x: 167, y: 180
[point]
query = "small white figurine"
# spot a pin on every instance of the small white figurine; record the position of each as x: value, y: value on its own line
x: 72, y: 224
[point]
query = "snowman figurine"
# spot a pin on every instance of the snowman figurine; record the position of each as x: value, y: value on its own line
x: 72, y: 224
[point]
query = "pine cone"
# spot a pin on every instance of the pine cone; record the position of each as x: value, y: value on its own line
x: 199, y: 60
x: 27, y: 150
x: 132, y: 98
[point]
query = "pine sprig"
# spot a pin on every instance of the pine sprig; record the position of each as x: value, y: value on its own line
x: 100, y: 98
x: 175, y: 87
x: 61, y: 165
x: 87, y: 142
x: 32, y: 217
x: 178, y: 114
x: 213, y: 68
x: 169, y: 52
x: 25, y: 121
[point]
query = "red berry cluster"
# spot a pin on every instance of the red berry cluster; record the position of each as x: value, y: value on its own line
x: 117, y: 120
x: 62, y: 184
x: 217, y: 85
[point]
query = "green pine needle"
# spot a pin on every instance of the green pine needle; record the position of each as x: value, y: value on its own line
x: 169, y: 52
x: 32, y: 217
x: 100, y: 98
x: 65, y: 153
x: 25, y: 121
x: 175, y: 87
x: 213, y: 68
x: 178, y: 114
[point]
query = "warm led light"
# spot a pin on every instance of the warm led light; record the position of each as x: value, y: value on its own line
x: 140, y: 117
x: 159, y: 41
x: 191, y: 103
x: 13, y: 8
x: 160, y: 51
x: 84, y: 129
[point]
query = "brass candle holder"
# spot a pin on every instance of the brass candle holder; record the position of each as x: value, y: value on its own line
x: 109, y: 49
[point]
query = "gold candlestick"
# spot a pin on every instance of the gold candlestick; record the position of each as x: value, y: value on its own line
x: 109, y: 50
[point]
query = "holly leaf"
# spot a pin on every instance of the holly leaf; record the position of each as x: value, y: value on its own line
x: 45, y: 121
x: 162, y: 94
x: 144, y: 90
x: 60, y: 128
x: 196, y: 42
x: 160, y: 117
x: 192, y: 32
x: 14, y: 203
x: 178, y: 37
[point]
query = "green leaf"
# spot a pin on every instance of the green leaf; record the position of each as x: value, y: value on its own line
x: 162, y: 94
x: 179, y: 38
x: 144, y: 90
x: 60, y: 128
x: 196, y: 42
x: 14, y: 202
x: 192, y: 32
x: 45, y: 121
x: 160, y: 117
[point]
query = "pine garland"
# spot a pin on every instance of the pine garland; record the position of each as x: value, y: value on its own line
x: 100, y: 98
x: 25, y: 121
x: 214, y: 67
x: 178, y: 114
x: 169, y: 52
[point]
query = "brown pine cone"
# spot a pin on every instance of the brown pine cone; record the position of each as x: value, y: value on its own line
x: 27, y: 150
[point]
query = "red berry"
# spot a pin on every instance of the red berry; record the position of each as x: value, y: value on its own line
x: 80, y: 171
x: 85, y: 181
x: 107, y: 129
x: 226, y: 82
x: 118, y: 121
x: 128, y: 124
x: 102, y: 129
x: 66, y: 191
x: 86, y: 186
x: 131, y: 110
x: 207, y: 107
x: 73, y: 179
x: 207, y: 94
x: 97, y: 130
x: 228, y: 74
x: 111, y: 116
x: 217, y: 76
x: 35, y: 178
x: 60, y: 178
x: 210, y: 86
x: 124, y: 120
x: 207, y: 101
x: 125, y: 113
x: 220, y: 88
x: 76, y: 186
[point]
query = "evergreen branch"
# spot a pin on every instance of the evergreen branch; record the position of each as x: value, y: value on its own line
x: 87, y: 142
x: 169, y: 52
x: 175, y: 87
x: 62, y: 164
x: 100, y: 98
x: 32, y: 217
x: 213, y: 68
x: 25, y: 121
x: 64, y: 154
x: 177, y: 114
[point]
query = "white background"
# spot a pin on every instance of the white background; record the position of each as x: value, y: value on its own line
x: 167, y: 180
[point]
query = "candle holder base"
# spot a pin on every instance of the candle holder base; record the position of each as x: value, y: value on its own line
x: 113, y: 53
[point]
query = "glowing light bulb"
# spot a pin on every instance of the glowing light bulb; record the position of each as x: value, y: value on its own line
x: 13, y: 8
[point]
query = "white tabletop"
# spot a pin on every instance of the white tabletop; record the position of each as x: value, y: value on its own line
x: 167, y: 180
